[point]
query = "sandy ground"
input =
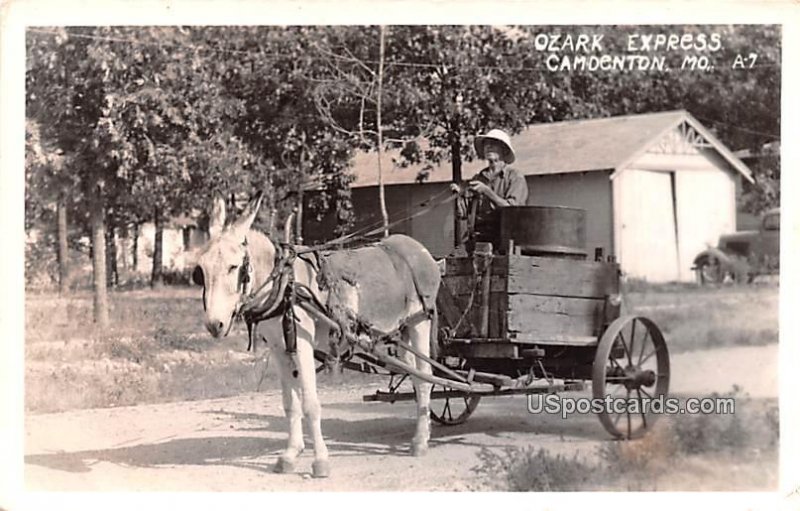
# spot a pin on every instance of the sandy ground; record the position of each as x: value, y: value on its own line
x: 231, y: 444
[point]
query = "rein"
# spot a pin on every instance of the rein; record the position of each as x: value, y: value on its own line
x: 280, y: 298
x: 372, y: 231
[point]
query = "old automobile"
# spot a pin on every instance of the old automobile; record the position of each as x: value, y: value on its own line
x: 743, y: 255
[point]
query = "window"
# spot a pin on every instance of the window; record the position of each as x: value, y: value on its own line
x: 772, y: 222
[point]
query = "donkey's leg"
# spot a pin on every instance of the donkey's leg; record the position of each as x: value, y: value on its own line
x: 291, y: 393
x: 419, y: 337
x: 292, y: 406
x: 307, y: 370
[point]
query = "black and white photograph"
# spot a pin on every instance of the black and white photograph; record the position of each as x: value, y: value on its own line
x: 526, y: 257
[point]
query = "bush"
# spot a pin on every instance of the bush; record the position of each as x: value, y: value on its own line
x: 531, y: 470
x: 41, y: 264
x: 642, y: 456
x: 178, y: 277
x: 712, y: 432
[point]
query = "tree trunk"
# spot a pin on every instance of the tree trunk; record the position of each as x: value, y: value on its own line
x: 381, y: 191
x: 63, y: 249
x: 135, y: 248
x: 157, y: 277
x: 112, y: 274
x: 298, y: 221
x: 124, y: 238
x: 455, y: 157
x: 99, y: 262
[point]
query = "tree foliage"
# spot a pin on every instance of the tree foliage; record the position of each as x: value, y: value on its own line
x: 161, y: 117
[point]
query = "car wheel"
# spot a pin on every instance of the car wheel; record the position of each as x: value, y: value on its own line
x: 709, y: 271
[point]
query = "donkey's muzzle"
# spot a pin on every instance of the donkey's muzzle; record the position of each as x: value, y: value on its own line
x: 215, y: 327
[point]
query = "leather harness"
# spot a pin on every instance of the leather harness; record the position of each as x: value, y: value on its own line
x: 278, y: 295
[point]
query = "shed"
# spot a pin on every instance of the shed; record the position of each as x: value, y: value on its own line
x: 657, y: 188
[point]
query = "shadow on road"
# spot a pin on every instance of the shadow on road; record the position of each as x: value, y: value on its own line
x: 183, y: 451
x: 386, y: 435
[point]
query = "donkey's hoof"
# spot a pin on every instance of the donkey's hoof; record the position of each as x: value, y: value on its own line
x: 284, y: 466
x: 321, y: 468
x: 419, y: 449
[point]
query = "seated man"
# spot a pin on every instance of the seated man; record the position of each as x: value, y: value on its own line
x: 494, y: 187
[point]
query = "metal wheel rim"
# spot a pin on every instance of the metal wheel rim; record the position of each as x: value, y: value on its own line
x: 710, y: 273
x: 452, y: 411
x: 645, y: 350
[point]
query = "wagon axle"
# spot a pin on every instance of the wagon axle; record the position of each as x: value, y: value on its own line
x: 632, y: 377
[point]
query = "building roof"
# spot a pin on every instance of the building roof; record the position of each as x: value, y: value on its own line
x: 560, y: 147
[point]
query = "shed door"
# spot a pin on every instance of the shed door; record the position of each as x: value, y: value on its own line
x: 648, y: 226
x: 705, y: 208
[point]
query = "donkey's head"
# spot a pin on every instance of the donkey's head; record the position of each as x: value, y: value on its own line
x: 225, y: 267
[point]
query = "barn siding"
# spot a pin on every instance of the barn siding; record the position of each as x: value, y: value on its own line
x: 646, y: 225
x: 705, y: 208
x: 433, y: 229
x: 590, y: 191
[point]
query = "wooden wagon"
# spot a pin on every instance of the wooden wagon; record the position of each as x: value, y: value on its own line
x: 535, y: 315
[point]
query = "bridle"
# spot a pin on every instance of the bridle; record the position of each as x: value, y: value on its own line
x: 274, y: 297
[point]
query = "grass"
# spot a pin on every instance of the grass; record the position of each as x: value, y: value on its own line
x: 705, y: 449
x: 710, y: 317
x: 157, y: 348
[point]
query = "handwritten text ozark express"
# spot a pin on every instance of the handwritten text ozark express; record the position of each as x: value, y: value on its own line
x: 639, y: 51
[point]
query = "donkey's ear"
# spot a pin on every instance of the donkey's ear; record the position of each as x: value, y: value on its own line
x: 245, y: 220
x: 217, y: 217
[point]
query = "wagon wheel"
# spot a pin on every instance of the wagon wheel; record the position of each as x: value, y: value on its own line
x: 452, y: 411
x: 632, y: 367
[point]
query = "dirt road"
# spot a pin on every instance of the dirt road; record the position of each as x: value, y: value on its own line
x: 231, y: 444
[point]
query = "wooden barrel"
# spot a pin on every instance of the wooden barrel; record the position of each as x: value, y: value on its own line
x: 552, y: 231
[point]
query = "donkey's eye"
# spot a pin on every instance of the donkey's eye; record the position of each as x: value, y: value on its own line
x: 197, y: 276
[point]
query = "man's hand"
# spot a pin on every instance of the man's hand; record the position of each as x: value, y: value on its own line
x: 455, y: 188
x: 479, y: 187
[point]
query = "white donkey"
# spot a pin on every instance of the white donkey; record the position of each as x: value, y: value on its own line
x: 382, y: 285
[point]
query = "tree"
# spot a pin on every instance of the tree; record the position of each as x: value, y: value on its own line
x: 273, y: 72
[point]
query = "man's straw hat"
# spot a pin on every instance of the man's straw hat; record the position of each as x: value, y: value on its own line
x: 500, y: 136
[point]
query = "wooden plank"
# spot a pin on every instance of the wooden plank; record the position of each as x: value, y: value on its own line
x: 464, y: 266
x: 464, y: 284
x: 548, y: 317
x: 556, y: 339
x: 496, y: 349
x: 448, y: 308
x: 497, y: 315
x: 561, y: 277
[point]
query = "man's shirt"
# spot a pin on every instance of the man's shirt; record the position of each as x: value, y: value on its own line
x: 508, y: 184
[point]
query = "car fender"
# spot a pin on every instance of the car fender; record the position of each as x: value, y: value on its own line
x: 738, y: 265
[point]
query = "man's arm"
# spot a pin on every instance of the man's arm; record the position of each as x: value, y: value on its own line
x: 492, y: 195
x: 517, y: 193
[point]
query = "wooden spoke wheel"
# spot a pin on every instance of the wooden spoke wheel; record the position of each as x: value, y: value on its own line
x: 451, y: 411
x: 631, y: 367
